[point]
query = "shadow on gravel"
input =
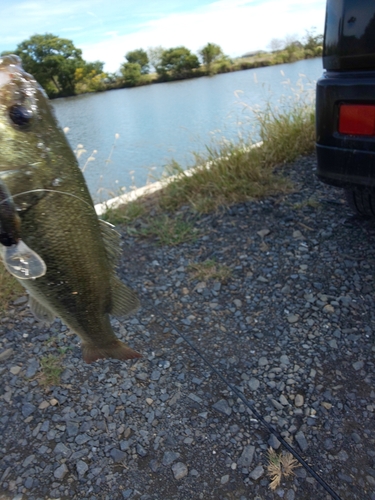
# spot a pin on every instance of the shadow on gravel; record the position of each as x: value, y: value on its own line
x: 292, y: 328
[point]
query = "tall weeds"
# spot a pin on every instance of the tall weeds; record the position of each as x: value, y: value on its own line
x: 231, y: 173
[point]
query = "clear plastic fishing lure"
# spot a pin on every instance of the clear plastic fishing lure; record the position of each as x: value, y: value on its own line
x: 22, y: 262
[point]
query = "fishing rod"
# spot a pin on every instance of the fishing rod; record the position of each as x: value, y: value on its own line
x: 254, y: 411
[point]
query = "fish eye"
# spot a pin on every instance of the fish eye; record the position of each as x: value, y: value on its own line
x: 20, y: 115
x: 6, y: 239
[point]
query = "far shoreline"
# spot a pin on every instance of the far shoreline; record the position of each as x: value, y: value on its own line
x: 256, y: 61
x: 154, y: 79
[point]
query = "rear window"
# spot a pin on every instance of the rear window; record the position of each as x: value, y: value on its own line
x: 349, y: 38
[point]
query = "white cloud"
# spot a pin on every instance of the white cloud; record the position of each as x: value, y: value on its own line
x: 237, y: 26
x: 106, y: 31
x: 21, y: 19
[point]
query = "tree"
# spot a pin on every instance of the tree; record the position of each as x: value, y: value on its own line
x: 52, y: 61
x: 210, y: 53
x: 131, y: 73
x: 155, y: 55
x: 90, y: 77
x: 313, y: 44
x: 178, y: 61
x: 140, y: 57
x: 96, y: 67
x: 276, y: 44
x: 292, y: 46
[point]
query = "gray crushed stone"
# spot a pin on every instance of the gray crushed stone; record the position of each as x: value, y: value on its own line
x: 292, y: 329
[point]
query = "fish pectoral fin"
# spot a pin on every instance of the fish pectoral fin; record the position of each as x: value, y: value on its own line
x: 115, y: 350
x: 41, y: 312
x: 111, y: 239
x: 124, y: 300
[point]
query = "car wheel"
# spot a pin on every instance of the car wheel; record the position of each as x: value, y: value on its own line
x: 361, y: 201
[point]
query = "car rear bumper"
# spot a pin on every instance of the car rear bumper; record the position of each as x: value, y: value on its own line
x: 345, y: 167
x: 344, y: 160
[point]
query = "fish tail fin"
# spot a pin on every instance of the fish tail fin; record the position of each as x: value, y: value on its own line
x: 115, y: 350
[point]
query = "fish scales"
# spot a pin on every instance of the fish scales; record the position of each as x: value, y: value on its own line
x: 58, y: 220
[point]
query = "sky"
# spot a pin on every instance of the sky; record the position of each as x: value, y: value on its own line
x: 106, y: 30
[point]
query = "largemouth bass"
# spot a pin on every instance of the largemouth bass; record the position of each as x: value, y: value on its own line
x: 56, y: 219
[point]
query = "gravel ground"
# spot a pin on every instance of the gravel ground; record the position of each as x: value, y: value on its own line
x: 292, y: 328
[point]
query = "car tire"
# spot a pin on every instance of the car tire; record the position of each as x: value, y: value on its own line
x: 361, y: 201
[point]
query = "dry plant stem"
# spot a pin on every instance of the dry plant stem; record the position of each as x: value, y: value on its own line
x: 235, y: 172
x: 89, y: 159
x: 280, y: 464
x: 108, y: 160
x: 232, y: 173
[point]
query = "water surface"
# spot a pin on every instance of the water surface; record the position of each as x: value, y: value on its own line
x: 161, y: 122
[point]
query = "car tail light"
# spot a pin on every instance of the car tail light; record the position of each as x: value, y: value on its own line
x: 357, y: 119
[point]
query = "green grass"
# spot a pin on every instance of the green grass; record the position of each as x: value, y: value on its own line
x: 229, y: 172
x: 272, y: 58
x: 167, y: 230
x: 210, y: 270
x: 125, y: 214
x: 51, y: 370
x: 310, y: 202
x: 232, y: 173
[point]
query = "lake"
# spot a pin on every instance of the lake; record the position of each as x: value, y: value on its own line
x: 135, y: 132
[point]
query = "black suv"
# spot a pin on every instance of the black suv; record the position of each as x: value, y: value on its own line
x: 345, y: 102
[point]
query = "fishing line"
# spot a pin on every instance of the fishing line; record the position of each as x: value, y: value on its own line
x: 255, y: 412
x: 42, y: 190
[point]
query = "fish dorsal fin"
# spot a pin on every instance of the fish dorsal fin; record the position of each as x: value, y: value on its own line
x: 124, y: 300
x: 111, y: 240
x: 41, y: 312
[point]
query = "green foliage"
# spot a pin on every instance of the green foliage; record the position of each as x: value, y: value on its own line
x: 210, y: 53
x: 276, y: 44
x: 90, y: 77
x: 179, y: 62
x: 313, y: 43
x: 210, y: 270
x: 231, y: 173
x: 94, y: 67
x: 155, y: 55
x: 286, y: 134
x: 124, y: 214
x: 223, y: 66
x: 51, y: 370
x: 131, y: 73
x: 140, y: 57
x: 58, y: 65
x: 228, y: 173
x: 168, y: 230
x: 52, y: 61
